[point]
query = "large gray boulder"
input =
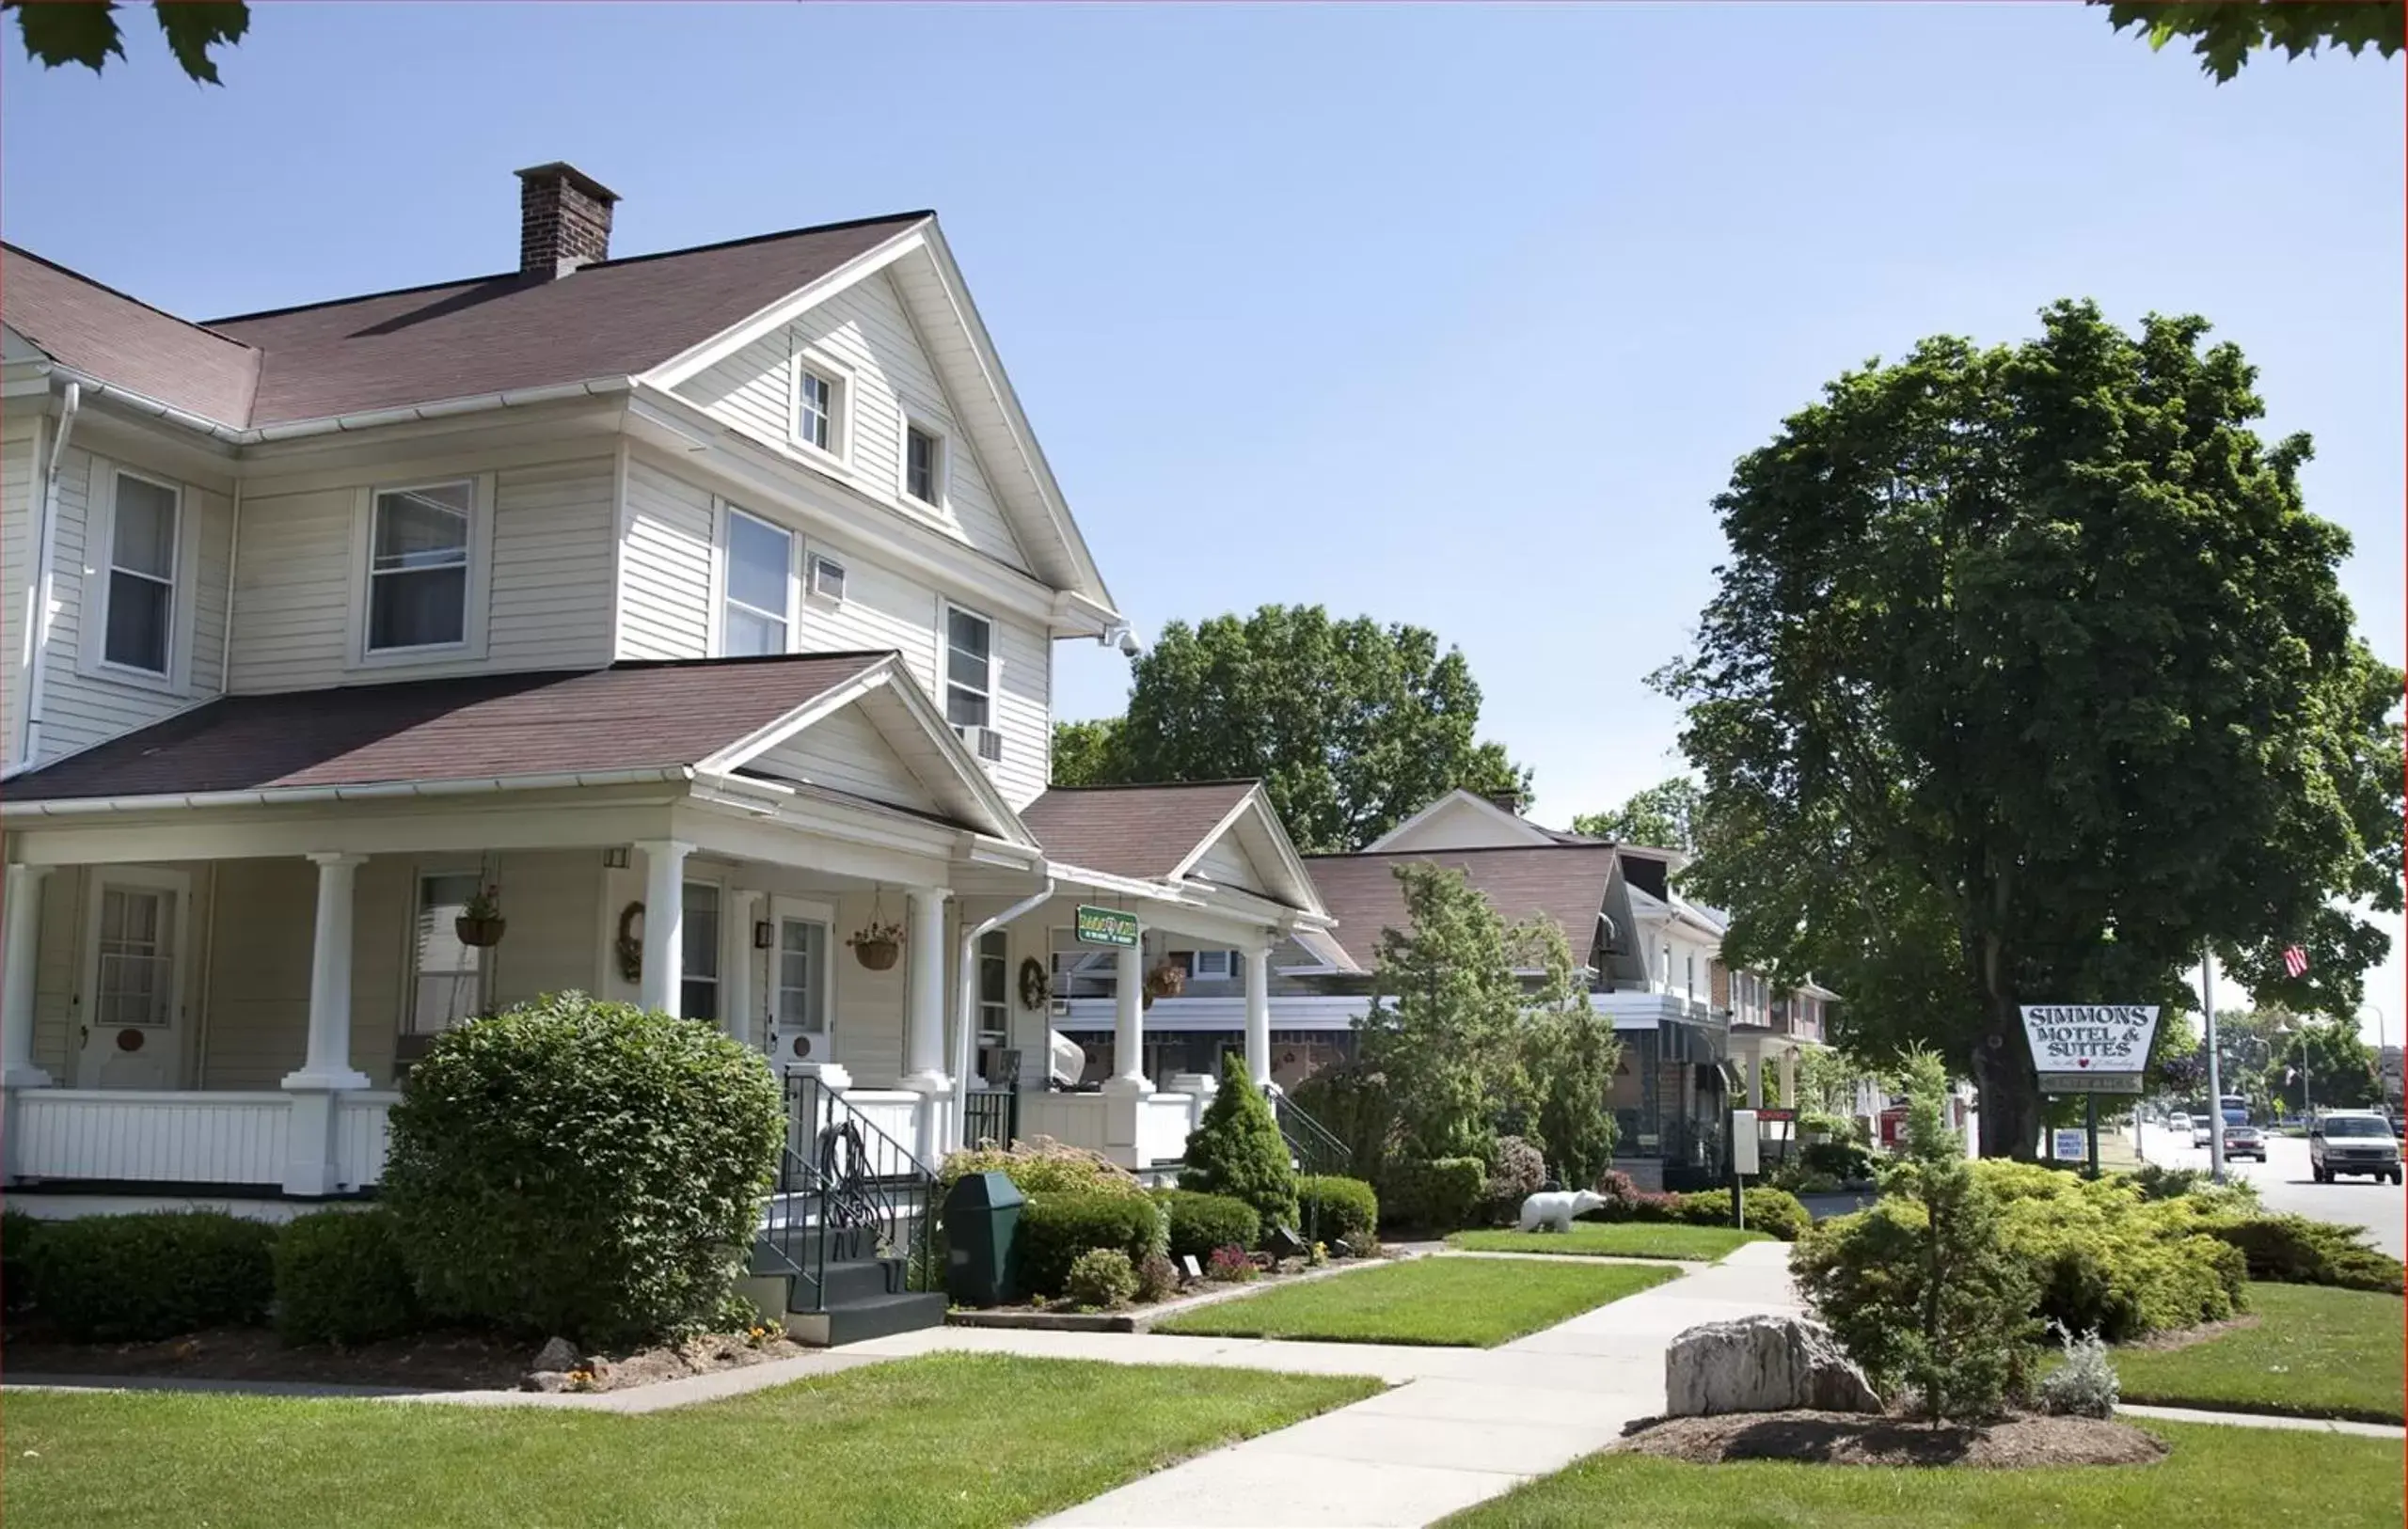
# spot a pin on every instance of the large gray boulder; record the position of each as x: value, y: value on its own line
x: 1763, y: 1365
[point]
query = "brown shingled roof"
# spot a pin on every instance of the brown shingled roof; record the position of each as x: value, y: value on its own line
x: 104, y: 334
x: 628, y: 717
x: 1565, y: 882
x: 1138, y: 831
x: 458, y: 340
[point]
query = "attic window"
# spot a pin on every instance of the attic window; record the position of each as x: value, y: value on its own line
x: 815, y: 419
x: 924, y: 465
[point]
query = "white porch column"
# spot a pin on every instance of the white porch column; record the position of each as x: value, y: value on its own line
x: 17, y: 960
x: 924, y: 1017
x: 743, y: 1020
x: 1126, y: 1091
x: 1787, y: 1073
x: 664, y: 924
x: 1257, y: 1015
x: 309, y: 1157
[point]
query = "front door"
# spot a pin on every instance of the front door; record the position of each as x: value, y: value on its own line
x: 801, y: 1028
x: 133, y: 1009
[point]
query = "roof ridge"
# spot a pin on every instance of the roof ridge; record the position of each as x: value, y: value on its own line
x: 730, y: 660
x: 1162, y: 785
x: 71, y: 273
x: 598, y: 265
x: 1466, y: 849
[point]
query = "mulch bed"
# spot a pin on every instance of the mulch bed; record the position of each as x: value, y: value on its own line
x: 430, y: 1362
x: 1857, y: 1439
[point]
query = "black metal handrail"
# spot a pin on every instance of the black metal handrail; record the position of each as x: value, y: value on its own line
x: 991, y: 1114
x: 847, y: 1187
x: 1317, y: 1151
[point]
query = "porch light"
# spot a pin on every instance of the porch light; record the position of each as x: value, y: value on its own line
x: 615, y: 858
x: 763, y: 936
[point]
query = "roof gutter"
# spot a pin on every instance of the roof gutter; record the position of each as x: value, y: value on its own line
x: 37, y: 653
x: 375, y: 791
x: 339, y: 423
x: 966, y: 996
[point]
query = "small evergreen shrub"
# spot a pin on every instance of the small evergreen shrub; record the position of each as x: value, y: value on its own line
x: 1200, y: 1222
x: 1101, y: 1277
x: 1349, y: 1209
x: 2294, y: 1250
x: 2156, y: 1181
x: 1237, y: 1150
x: 2084, y: 1383
x: 1776, y: 1213
x: 128, y: 1279
x: 1436, y: 1194
x: 1056, y: 1228
x: 1157, y: 1279
x: 583, y: 1169
x: 1844, y: 1161
x: 18, y: 1231
x: 340, y: 1278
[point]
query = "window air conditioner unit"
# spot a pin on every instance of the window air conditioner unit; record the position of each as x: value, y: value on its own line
x: 985, y: 742
x: 1059, y: 1008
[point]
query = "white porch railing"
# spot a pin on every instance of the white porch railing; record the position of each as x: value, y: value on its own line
x: 132, y: 1136
x: 360, y: 1139
x: 895, y: 1112
x: 1136, y: 1132
x: 1072, y: 1119
x: 1162, y: 1122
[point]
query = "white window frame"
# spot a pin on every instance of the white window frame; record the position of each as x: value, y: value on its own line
x: 478, y: 601
x: 1224, y: 959
x: 721, y: 543
x: 100, y: 557
x: 946, y: 612
x: 840, y: 392
x: 811, y: 563
x: 718, y: 978
x: 940, y: 471
x: 481, y: 873
x: 1002, y: 955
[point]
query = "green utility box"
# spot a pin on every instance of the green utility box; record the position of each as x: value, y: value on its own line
x: 981, y: 1218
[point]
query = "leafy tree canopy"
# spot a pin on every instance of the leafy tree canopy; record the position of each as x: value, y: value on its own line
x: 2030, y: 675
x: 2224, y: 33
x: 1350, y: 725
x: 1663, y: 816
x: 86, y: 32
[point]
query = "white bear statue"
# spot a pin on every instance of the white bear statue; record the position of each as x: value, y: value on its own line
x: 1555, y: 1208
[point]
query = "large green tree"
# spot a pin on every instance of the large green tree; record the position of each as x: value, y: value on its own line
x: 1663, y: 816
x: 1350, y: 725
x: 2029, y: 677
x: 86, y: 32
x: 2325, y: 1064
x: 1445, y: 1017
x: 2224, y: 33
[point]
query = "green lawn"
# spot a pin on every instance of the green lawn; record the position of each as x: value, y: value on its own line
x: 2217, y: 1478
x: 2316, y: 1352
x: 1619, y: 1239
x: 947, y: 1439
x: 1478, y: 1301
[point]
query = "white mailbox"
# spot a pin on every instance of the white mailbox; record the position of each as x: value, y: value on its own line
x: 1743, y: 1140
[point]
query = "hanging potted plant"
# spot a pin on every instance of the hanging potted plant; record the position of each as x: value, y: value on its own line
x: 877, y: 944
x: 1168, y: 980
x: 481, y: 923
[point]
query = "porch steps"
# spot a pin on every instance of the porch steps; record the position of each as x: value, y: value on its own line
x: 860, y: 1298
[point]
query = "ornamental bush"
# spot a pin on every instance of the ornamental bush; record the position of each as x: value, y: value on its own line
x: 1841, y: 1160
x: 2294, y: 1250
x: 1056, y: 1228
x: 1157, y: 1279
x: 2084, y: 1384
x: 1349, y: 1209
x: 1435, y: 1194
x: 1042, y: 1166
x: 1777, y: 1213
x: 1515, y: 1171
x: 1238, y: 1151
x: 18, y: 1231
x: 129, y: 1279
x: 1200, y: 1222
x: 583, y: 1169
x: 1101, y: 1277
x: 340, y: 1278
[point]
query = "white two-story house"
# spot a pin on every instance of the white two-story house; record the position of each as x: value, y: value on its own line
x: 699, y: 606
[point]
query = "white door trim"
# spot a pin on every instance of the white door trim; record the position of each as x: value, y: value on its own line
x: 145, y: 878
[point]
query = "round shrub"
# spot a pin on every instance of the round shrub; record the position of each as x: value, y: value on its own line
x: 1436, y: 1194
x: 583, y: 1169
x: 1157, y: 1278
x: 1101, y: 1277
x: 1056, y: 1228
x: 1776, y: 1213
x: 1515, y: 1171
x: 125, y: 1279
x: 1041, y: 1166
x: 1200, y: 1222
x: 1237, y: 1150
x: 340, y: 1278
x: 1844, y: 1161
x: 1349, y: 1209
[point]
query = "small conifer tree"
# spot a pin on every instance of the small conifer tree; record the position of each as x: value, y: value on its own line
x: 1238, y: 1150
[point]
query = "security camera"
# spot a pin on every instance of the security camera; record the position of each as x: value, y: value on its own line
x: 1128, y: 644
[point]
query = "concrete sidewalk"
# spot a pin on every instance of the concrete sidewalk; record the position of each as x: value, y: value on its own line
x: 1466, y: 1425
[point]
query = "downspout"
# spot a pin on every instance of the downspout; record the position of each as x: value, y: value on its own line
x: 234, y: 552
x: 38, y: 629
x: 966, y: 995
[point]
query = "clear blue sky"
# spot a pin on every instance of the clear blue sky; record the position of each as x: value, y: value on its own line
x: 1455, y: 316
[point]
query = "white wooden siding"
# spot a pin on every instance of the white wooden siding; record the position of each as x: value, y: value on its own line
x: 869, y: 1004
x: 553, y: 900
x: 135, y: 1136
x: 550, y: 606
x: 665, y: 567
x: 1024, y: 714
x: 846, y: 752
x: 864, y: 337
x: 18, y: 531
x: 1226, y: 864
x: 257, y: 1002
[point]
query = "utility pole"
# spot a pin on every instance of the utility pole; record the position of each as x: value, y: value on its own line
x: 2215, y: 1068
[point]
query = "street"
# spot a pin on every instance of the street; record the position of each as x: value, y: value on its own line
x: 2283, y: 1184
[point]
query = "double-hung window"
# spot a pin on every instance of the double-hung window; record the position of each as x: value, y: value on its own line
x: 760, y: 587
x: 924, y: 465
x: 995, y: 988
x: 814, y: 409
x: 418, y: 567
x: 446, y: 974
x: 698, y: 992
x: 968, y: 669
x: 142, y: 575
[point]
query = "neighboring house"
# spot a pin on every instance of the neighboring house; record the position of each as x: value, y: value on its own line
x: 698, y: 603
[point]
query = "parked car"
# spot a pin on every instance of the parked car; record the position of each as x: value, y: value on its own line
x: 2352, y: 1142
x: 2244, y: 1141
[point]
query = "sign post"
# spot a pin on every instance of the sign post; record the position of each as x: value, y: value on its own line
x: 2090, y: 1049
x: 1743, y: 1162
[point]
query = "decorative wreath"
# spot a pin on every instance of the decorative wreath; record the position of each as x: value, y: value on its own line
x: 1034, y: 988
x: 630, y: 943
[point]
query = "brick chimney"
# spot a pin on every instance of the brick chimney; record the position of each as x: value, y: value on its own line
x: 564, y: 220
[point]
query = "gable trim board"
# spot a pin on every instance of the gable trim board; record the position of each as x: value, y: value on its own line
x: 1510, y: 829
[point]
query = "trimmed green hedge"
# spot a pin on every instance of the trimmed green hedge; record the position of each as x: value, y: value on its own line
x: 1056, y: 1228
x: 1776, y: 1213
x: 1349, y: 1209
x: 1200, y: 1222
x: 17, y: 1233
x: 125, y: 1279
x: 2294, y: 1250
x: 340, y: 1278
x: 1438, y: 1195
